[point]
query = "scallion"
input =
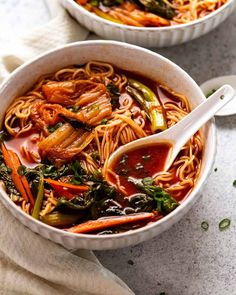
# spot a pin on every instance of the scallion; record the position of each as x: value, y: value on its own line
x: 205, y: 225
x: 224, y: 224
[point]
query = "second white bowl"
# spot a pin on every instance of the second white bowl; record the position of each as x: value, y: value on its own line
x: 148, y: 37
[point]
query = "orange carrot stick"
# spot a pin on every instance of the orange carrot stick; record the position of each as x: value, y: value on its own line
x: 23, y: 179
x: 73, y: 187
x: 94, y: 225
x: 14, y: 175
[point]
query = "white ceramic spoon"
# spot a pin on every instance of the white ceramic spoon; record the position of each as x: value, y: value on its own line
x: 214, y: 84
x: 180, y: 133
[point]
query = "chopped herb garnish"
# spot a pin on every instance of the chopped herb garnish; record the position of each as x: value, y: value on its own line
x: 115, y: 94
x: 148, y: 181
x: 51, y: 129
x: 113, y: 89
x: 234, y: 183
x: 104, y: 121
x: 146, y: 158
x: 78, y: 124
x: 224, y: 224
x: 130, y: 262
x: 211, y: 92
x: 123, y: 171
x: 205, y: 225
x: 222, y: 96
x: 138, y: 166
x: 95, y: 156
x: 9, y: 170
x: 74, y: 109
x: 124, y: 159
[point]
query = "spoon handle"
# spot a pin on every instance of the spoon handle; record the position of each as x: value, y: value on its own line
x: 187, y: 127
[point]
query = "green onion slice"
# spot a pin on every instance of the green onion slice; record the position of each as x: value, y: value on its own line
x: 205, y: 225
x: 224, y: 224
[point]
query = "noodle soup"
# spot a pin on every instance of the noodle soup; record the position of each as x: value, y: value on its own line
x: 151, y: 13
x: 57, y: 139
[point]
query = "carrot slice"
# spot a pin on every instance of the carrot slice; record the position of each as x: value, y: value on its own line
x: 73, y: 187
x: 23, y: 178
x: 94, y: 225
x: 14, y: 175
x: 62, y: 191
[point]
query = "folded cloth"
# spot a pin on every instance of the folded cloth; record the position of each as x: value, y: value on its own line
x: 60, y: 30
x: 30, y: 264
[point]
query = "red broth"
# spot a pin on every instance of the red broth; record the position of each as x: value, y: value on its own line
x: 140, y: 163
x: 29, y: 141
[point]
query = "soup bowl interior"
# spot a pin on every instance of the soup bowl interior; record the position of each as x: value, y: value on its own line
x: 127, y: 57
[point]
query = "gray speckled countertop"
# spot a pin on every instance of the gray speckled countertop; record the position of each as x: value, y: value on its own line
x: 184, y: 260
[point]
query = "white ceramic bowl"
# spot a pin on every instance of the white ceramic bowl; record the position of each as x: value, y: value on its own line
x: 148, y: 37
x: 128, y: 57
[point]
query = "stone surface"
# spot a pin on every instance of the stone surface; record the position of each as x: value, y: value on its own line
x: 185, y: 260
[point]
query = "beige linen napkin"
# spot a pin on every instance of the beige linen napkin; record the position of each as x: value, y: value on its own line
x: 30, y: 264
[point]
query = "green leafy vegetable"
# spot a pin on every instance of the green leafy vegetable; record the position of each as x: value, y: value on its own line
x: 159, y: 7
x: 115, y: 94
x: 106, y: 207
x: 5, y: 177
x: 164, y: 202
x: 141, y: 203
x: 48, y: 171
x: 78, y: 124
x: 101, y: 190
x: 76, y: 204
x: 224, y: 224
x: 80, y: 175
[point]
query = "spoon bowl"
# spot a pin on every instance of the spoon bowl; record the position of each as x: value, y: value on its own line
x: 180, y: 133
